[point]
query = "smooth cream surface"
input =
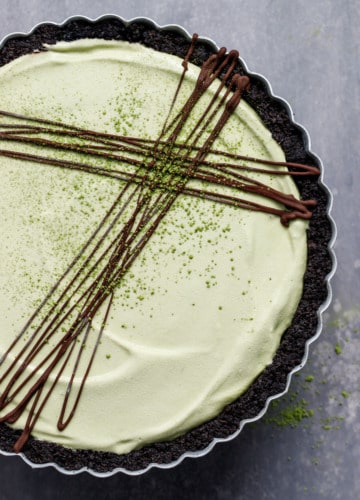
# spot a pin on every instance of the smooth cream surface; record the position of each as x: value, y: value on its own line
x: 203, y: 309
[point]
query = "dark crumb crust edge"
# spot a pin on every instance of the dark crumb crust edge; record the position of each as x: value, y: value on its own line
x: 273, y: 379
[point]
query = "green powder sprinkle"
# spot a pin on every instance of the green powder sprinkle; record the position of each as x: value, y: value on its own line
x: 337, y: 349
x: 292, y: 415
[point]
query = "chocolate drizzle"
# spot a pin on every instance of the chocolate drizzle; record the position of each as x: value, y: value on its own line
x: 162, y: 170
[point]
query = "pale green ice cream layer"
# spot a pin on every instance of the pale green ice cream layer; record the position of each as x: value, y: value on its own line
x: 203, y: 309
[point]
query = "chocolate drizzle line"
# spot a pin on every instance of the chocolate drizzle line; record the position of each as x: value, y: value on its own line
x: 162, y: 169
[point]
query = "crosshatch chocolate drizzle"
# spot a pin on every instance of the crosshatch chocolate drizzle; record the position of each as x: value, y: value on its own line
x: 161, y: 171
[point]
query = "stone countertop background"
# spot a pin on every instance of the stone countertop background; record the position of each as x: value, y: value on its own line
x: 308, y: 446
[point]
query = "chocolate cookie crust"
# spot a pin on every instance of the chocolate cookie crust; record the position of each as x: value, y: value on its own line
x: 275, y: 115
